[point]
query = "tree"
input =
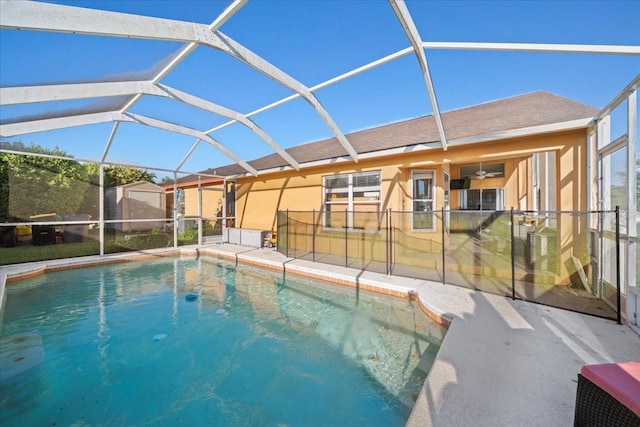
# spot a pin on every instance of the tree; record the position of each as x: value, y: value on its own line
x: 113, y: 176
x: 31, y: 185
x: 120, y: 175
x: 4, y: 187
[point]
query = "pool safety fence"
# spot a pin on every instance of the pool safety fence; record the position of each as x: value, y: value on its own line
x: 566, y: 259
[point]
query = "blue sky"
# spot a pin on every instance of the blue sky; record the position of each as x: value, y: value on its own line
x: 314, y: 41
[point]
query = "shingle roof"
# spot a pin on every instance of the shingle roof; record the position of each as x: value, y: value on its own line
x: 532, y: 109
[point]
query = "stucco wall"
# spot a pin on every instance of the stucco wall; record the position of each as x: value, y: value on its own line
x: 211, y: 201
x: 259, y: 198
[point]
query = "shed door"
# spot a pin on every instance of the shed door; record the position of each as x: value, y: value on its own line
x: 144, y: 204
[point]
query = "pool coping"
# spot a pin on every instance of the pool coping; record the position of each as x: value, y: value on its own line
x: 502, y: 362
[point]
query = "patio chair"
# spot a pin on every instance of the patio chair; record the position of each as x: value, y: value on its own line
x: 608, y: 395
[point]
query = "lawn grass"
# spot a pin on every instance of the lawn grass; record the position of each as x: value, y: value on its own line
x: 29, y: 253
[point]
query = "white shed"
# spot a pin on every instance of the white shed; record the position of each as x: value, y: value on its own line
x: 138, y: 200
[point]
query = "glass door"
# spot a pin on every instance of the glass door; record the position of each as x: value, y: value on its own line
x: 423, y: 189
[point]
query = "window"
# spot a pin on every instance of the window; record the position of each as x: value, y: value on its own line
x: 230, y: 198
x: 486, y: 199
x: 180, y: 198
x: 543, y: 180
x: 352, y: 201
x: 423, y: 200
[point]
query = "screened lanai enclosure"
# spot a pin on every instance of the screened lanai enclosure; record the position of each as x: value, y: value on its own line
x: 113, y: 114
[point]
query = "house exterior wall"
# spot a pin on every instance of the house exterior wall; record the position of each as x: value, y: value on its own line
x: 211, y: 200
x: 259, y: 198
x: 573, y: 230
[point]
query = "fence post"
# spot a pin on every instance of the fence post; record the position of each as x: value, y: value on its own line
x: 390, y: 242
x: 313, y: 236
x: 346, y: 237
x: 287, y: 222
x: 386, y: 241
x: 618, y: 304
x: 443, y: 248
x: 513, y: 257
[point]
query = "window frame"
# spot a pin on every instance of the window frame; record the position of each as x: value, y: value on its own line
x: 426, y: 200
x: 500, y: 196
x: 350, y: 203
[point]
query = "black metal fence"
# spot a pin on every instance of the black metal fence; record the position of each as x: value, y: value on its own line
x: 564, y: 259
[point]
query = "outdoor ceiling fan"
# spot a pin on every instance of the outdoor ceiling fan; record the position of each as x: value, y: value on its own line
x: 482, y: 174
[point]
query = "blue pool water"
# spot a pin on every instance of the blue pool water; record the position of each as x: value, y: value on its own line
x: 120, y: 345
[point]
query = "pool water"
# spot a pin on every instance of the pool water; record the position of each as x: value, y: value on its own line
x: 121, y: 345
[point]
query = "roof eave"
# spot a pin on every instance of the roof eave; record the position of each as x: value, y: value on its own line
x: 528, y: 131
x: 513, y: 133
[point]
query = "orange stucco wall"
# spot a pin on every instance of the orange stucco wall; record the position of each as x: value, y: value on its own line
x: 259, y: 198
x: 211, y: 200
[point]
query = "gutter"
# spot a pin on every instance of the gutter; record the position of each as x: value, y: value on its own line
x: 514, y: 133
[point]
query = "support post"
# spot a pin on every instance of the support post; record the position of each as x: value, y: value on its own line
x: 175, y: 209
x: 633, y: 216
x: 386, y: 242
x: 346, y: 237
x: 101, y: 207
x: 287, y: 222
x: 513, y: 257
x: 313, y: 236
x: 390, y: 241
x: 618, y: 303
x: 199, y: 212
x: 443, y: 247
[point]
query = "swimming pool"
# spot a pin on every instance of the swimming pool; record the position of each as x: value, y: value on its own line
x: 121, y: 345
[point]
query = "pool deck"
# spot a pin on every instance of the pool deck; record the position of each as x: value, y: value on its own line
x: 502, y: 362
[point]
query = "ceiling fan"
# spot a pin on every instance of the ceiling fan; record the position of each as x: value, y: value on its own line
x: 480, y: 174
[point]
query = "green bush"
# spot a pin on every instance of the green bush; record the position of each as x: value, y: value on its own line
x: 190, y: 236
x: 146, y: 241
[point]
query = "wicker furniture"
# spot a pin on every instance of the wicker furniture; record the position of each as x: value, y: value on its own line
x: 608, y: 395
